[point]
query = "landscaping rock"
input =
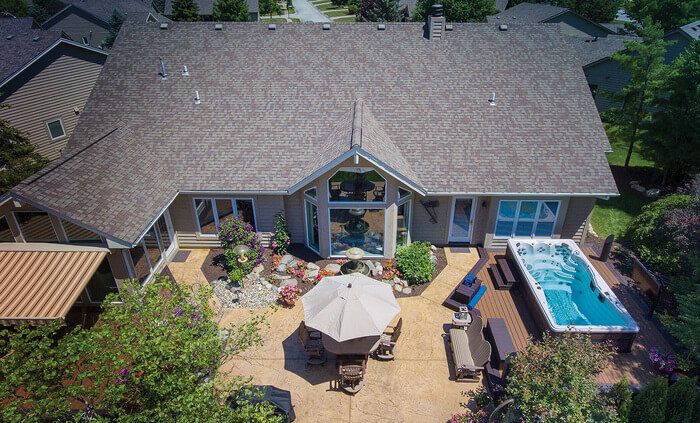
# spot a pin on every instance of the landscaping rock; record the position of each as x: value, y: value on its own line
x: 258, y: 269
x: 406, y: 291
x: 312, y: 266
x: 286, y: 259
x: 311, y: 273
x: 281, y: 268
x: 653, y: 192
x: 377, y: 271
x: 289, y: 282
x: 433, y: 258
x: 293, y: 264
x: 398, y: 287
x: 282, y: 277
x: 333, y: 268
x: 432, y: 247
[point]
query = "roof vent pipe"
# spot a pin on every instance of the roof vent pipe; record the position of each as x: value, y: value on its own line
x: 436, y: 22
x: 197, y: 100
x: 163, y: 74
x: 492, y: 100
x: 185, y: 72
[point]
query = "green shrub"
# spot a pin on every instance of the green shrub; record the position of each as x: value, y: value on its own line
x: 413, y: 261
x: 658, y: 234
x: 236, y: 275
x: 352, y: 9
x: 621, y: 396
x: 280, y: 235
x: 649, y: 406
x: 696, y: 407
x: 681, y: 400
x: 233, y: 232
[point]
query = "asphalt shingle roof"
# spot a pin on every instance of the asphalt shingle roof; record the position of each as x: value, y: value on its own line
x: 527, y: 13
x: 692, y: 29
x: 591, y: 50
x: 278, y: 105
x: 103, y: 9
x: 19, y: 44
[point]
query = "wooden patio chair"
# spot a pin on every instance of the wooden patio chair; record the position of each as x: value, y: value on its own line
x: 313, y: 333
x: 391, y: 329
x: 313, y: 346
x: 351, y: 377
x: 387, y: 344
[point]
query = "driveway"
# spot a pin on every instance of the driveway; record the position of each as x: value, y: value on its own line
x: 307, y: 12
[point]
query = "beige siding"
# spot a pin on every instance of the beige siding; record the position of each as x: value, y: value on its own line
x: 576, y: 221
x: 51, y: 89
x: 185, y: 221
x: 422, y: 229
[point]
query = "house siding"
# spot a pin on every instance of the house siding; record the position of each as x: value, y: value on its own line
x: 52, y: 88
x: 575, y: 225
x: 185, y: 222
x: 576, y: 26
x: 422, y: 229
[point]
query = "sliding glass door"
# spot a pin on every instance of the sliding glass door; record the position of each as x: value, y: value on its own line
x: 155, y: 245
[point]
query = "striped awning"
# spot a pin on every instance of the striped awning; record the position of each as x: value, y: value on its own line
x: 40, y: 282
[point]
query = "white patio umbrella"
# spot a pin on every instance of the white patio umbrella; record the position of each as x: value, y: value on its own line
x: 350, y: 306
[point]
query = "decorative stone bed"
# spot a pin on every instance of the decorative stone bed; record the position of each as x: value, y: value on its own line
x: 259, y: 288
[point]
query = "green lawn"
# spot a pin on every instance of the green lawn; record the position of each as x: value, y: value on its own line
x: 615, y: 215
x: 333, y: 13
x: 348, y: 19
x: 328, y: 6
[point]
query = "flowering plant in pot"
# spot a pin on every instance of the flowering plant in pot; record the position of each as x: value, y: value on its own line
x: 663, y: 362
x: 288, y: 295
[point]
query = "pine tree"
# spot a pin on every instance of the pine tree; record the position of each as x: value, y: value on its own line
x: 17, y: 157
x: 231, y: 11
x: 115, y: 23
x: 185, y: 11
x: 456, y: 10
x: 379, y: 11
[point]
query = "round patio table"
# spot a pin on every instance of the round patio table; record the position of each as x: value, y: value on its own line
x: 357, y: 346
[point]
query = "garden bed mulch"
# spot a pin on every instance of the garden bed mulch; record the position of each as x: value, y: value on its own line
x: 213, y: 267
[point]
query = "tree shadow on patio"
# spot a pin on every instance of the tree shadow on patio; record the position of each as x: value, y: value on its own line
x: 295, y: 362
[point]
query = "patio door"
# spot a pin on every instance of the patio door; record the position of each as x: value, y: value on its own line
x: 461, y: 219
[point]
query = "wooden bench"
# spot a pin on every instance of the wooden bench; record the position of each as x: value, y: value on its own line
x: 462, y: 294
x: 500, y: 339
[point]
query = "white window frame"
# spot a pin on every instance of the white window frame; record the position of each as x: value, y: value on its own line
x: 164, y: 254
x: 216, y: 213
x: 349, y: 205
x: 48, y: 129
x: 409, y: 205
x: 306, y: 226
x: 535, y: 220
x: 472, y: 213
x: 353, y: 169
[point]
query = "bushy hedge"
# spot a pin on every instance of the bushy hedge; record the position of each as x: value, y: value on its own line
x: 649, y: 406
x: 681, y: 401
x: 413, y: 261
x: 280, y: 235
x: 666, y: 232
x: 233, y: 232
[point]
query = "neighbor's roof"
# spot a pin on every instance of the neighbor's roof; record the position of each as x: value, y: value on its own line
x: 501, y: 5
x: 19, y: 44
x: 277, y: 105
x: 692, y: 30
x: 41, y: 282
x: 133, y: 9
x: 592, y: 50
x: 206, y: 7
x: 527, y: 13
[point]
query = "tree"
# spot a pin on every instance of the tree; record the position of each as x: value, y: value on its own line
x: 643, y: 60
x: 185, y: 11
x: 158, y: 5
x: 649, y: 406
x: 270, y: 7
x: 154, y: 357
x: 379, y: 11
x: 595, y: 10
x: 669, y: 14
x: 674, y: 131
x: 685, y: 327
x: 554, y: 380
x: 115, y: 24
x: 231, y: 11
x: 17, y: 157
x: 681, y: 401
x: 17, y: 8
x: 456, y: 10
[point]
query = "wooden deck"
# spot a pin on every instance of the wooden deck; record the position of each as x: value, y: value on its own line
x: 511, y: 306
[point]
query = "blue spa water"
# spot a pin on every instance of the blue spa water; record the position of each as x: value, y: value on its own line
x: 571, y: 296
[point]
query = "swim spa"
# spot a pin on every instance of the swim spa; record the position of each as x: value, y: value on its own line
x: 566, y: 293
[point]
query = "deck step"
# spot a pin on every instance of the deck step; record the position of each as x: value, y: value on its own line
x: 506, y: 270
x: 498, y: 280
x: 453, y: 304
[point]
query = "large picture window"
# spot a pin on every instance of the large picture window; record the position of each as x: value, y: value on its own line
x: 524, y: 218
x: 403, y: 223
x: 36, y: 227
x: 362, y: 228
x: 148, y: 253
x: 211, y: 212
x: 312, y: 236
x: 356, y: 184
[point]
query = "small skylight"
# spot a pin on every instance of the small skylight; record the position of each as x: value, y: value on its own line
x: 272, y: 27
x: 381, y: 26
x: 218, y: 27
x: 449, y: 27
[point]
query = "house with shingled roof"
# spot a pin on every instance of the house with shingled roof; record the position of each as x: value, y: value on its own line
x: 45, y: 79
x: 365, y: 135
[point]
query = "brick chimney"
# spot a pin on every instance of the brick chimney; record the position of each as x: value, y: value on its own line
x: 436, y: 22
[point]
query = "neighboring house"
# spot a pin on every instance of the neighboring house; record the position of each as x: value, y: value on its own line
x: 206, y: 9
x: 87, y: 21
x: 571, y: 23
x: 605, y: 75
x: 471, y: 136
x: 46, y: 79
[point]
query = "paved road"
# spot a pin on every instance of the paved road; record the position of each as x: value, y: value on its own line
x: 307, y: 12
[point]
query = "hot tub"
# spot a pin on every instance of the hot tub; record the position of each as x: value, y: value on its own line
x: 567, y: 294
